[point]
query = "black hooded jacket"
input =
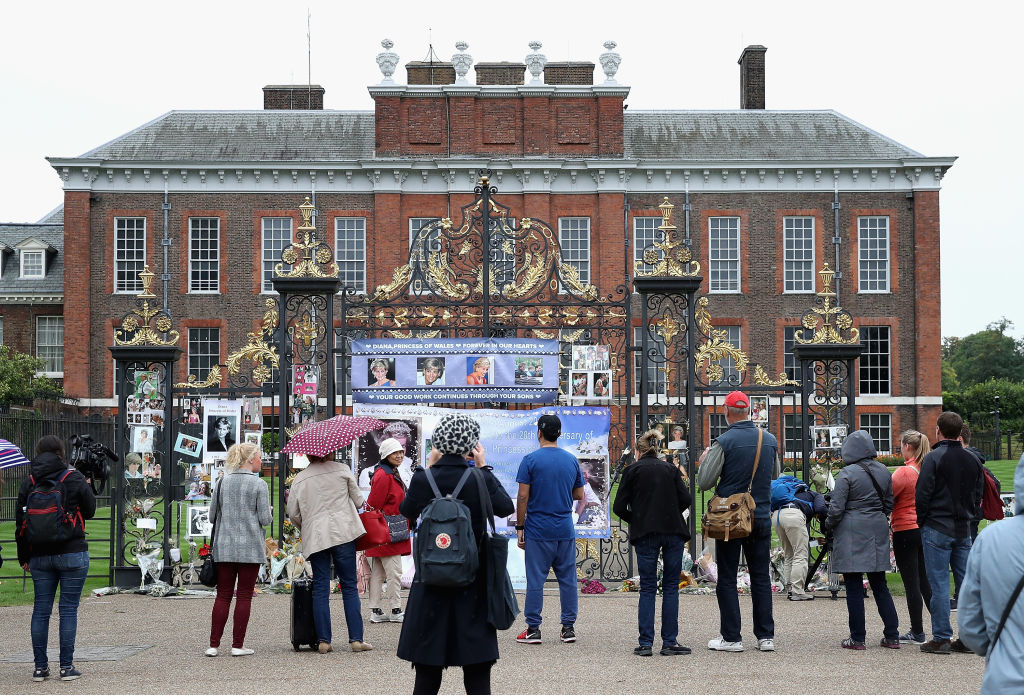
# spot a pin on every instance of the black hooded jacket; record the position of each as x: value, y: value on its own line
x: 80, y: 499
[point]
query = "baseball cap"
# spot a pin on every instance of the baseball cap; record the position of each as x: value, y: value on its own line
x: 737, y: 399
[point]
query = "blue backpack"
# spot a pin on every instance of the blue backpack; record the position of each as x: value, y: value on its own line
x: 445, y: 548
x: 784, y: 489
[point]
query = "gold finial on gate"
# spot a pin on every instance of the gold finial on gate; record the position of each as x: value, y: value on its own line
x: 830, y: 323
x: 308, y: 257
x: 669, y: 256
x: 135, y: 327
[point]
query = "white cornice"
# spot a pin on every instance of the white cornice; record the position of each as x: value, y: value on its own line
x: 534, y: 175
x: 30, y: 298
x: 487, y: 91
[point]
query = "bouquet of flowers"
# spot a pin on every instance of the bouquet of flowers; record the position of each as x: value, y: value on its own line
x: 592, y: 586
x: 204, y: 551
x: 631, y: 584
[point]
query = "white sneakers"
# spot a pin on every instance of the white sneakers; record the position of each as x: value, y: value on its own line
x: 719, y: 644
x: 213, y: 651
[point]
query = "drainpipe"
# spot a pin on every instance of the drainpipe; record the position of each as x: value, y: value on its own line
x: 165, y: 277
x: 836, y: 239
x: 686, y: 216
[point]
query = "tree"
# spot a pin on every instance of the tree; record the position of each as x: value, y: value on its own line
x: 19, y: 382
x: 987, y: 354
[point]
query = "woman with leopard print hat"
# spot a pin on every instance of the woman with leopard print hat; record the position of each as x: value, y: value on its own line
x: 448, y: 627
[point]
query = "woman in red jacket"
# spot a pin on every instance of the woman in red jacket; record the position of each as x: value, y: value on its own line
x: 906, y: 536
x: 386, y: 493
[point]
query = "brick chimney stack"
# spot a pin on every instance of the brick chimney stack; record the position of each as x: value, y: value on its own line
x: 293, y: 97
x: 752, y: 77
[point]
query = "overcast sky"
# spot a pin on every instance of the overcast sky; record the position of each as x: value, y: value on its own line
x: 940, y: 78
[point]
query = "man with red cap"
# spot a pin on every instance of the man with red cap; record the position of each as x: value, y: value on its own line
x: 728, y: 466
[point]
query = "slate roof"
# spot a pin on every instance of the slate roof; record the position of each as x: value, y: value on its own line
x: 55, y: 216
x: 13, y: 234
x: 247, y: 136
x: 755, y: 135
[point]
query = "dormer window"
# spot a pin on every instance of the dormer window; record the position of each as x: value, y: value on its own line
x: 33, y: 264
x: 35, y: 255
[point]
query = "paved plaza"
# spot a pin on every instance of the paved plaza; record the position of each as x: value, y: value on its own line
x: 140, y: 644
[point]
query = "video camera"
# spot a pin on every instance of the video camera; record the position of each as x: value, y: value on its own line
x: 91, y: 459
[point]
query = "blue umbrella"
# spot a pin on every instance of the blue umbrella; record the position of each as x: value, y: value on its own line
x: 11, y: 456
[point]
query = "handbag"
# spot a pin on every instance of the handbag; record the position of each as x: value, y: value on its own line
x: 208, y: 570
x: 502, y: 606
x: 398, y: 528
x: 732, y: 517
x: 375, y: 527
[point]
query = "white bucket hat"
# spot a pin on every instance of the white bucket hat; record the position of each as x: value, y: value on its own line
x: 388, y: 447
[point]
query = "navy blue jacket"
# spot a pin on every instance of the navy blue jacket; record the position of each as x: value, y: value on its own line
x: 739, y: 444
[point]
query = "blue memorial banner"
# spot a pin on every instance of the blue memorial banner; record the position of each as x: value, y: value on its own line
x: 507, y: 436
x: 455, y: 370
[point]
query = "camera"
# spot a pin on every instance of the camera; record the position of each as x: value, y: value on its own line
x: 91, y: 459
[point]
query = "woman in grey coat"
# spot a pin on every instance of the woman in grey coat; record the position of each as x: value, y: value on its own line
x: 858, y: 517
x: 239, y: 510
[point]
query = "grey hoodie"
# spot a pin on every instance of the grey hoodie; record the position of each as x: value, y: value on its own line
x: 994, y: 567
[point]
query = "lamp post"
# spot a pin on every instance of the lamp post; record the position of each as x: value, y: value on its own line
x: 999, y: 446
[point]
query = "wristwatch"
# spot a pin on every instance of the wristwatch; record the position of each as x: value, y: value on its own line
x: 520, y: 528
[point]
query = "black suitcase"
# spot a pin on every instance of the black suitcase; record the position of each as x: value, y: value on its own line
x: 302, y: 630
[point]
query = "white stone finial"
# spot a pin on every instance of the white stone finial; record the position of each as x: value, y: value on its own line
x: 387, y: 61
x: 535, y: 62
x: 610, y: 62
x: 462, y: 62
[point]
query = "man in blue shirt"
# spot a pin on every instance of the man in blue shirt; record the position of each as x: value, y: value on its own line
x: 549, y: 480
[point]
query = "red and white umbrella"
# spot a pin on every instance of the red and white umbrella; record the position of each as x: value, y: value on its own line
x: 322, y: 438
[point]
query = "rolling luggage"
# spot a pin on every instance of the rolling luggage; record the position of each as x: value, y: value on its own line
x: 303, y: 632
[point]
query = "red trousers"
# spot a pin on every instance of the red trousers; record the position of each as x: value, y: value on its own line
x: 227, y: 574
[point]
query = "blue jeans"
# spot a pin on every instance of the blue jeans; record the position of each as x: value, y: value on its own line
x: 67, y: 570
x: 756, y: 547
x: 542, y: 556
x: 883, y: 602
x: 344, y: 558
x: 647, y: 549
x: 940, y: 553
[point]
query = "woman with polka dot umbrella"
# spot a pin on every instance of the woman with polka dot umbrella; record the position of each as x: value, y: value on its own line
x: 322, y: 438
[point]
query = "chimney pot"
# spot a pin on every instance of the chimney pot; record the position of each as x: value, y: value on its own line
x: 293, y: 97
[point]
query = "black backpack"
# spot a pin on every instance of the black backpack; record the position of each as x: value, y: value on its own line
x: 46, y: 516
x: 445, y: 550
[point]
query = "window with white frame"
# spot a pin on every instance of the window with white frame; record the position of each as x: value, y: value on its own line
x: 574, y: 240
x: 276, y: 233
x: 350, y: 251
x: 645, y: 233
x: 879, y: 426
x: 203, y: 254
x: 873, y: 254
x: 790, y: 363
x: 33, y: 264
x: 798, y: 254
x: 50, y: 343
x: 418, y: 223
x: 729, y: 371
x: 875, y: 371
x: 724, y: 254
x: 129, y: 253
x: 793, y: 432
x: 655, y: 365
x: 717, y: 424
x: 203, y: 351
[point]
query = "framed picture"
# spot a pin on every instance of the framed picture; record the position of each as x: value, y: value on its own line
x: 221, y: 423
x: 196, y: 472
x: 676, y: 435
x: 759, y: 410
x: 147, y: 385
x: 601, y: 385
x: 190, y: 446
x: 828, y: 436
x: 253, y: 438
x: 578, y: 384
x: 478, y: 370
x: 529, y: 371
x: 142, y: 439
x: 406, y: 431
x: 198, y: 521
x: 381, y: 372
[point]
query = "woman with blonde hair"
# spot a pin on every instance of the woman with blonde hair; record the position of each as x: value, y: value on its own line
x: 906, y: 535
x: 239, y: 511
x: 478, y: 377
x: 322, y: 504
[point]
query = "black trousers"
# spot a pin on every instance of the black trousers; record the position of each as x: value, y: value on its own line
x: 909, y: 552
x: 475, y: 677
